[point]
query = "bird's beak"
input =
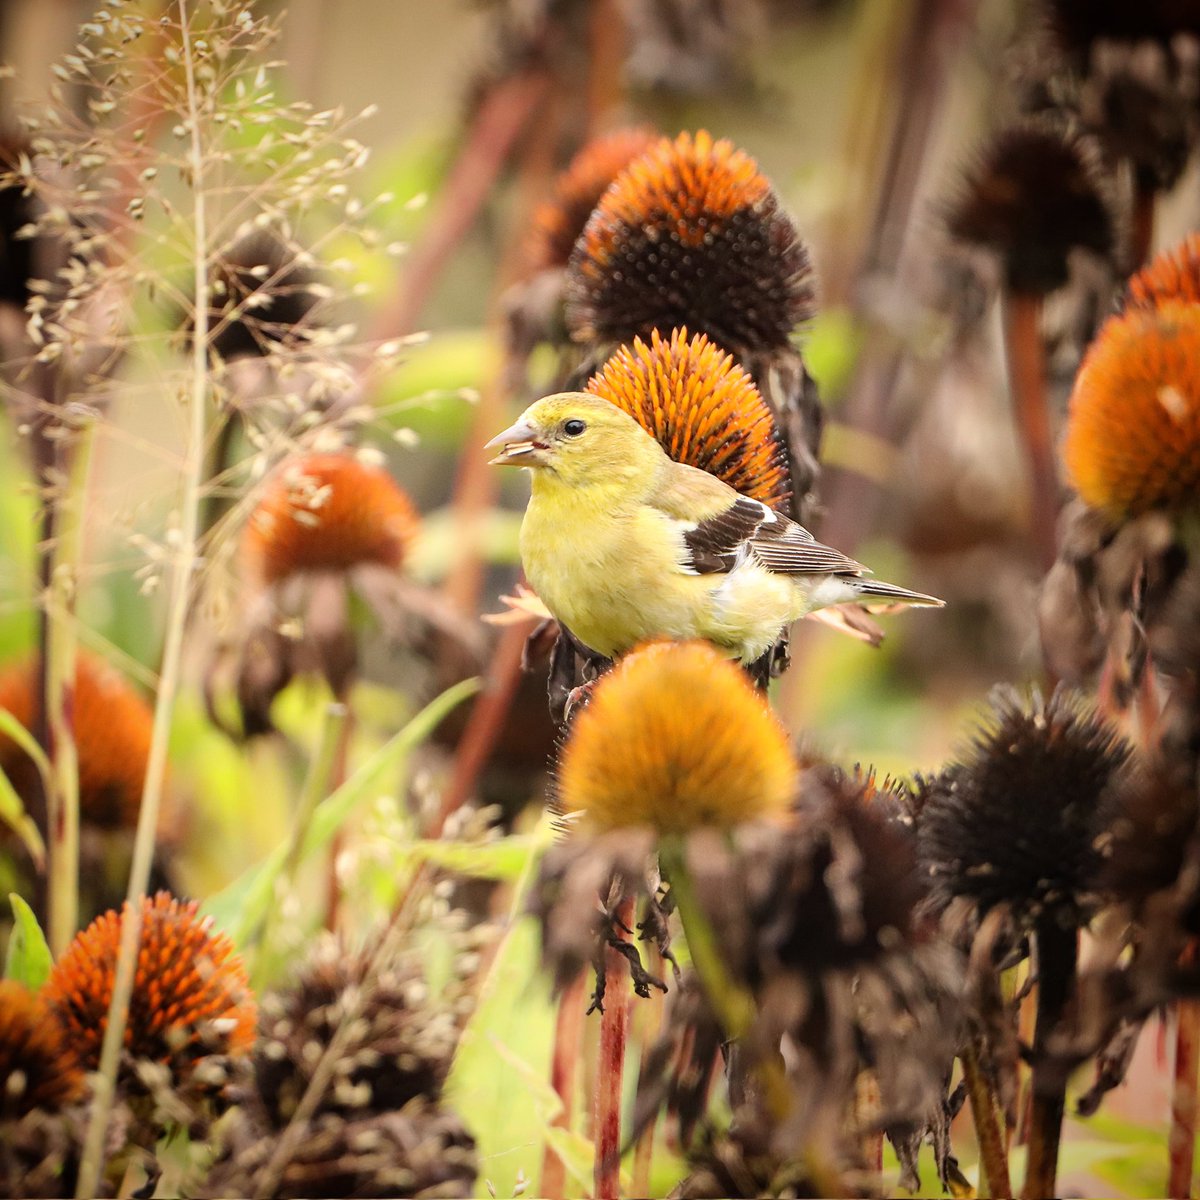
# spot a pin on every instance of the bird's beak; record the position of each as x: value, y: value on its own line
x: 519, y: 446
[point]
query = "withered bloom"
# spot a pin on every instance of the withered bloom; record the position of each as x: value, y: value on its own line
x: 1133, y: 431
x: 691, y: 234
x: 1015, y: 823
x: 558, y: 222
x: 1031, y: 198
x: 38, y: 1066
x: 401, y: 1046
x: 191, y: 1010
x: 675, y: 738
x: 329, y: 528
x: 261, y: 299
x: 702, y: 408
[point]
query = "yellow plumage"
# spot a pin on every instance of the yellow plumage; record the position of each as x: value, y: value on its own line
x: 622, y: 544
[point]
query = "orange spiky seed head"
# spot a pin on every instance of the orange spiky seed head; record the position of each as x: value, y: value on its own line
x: 191, y: 997
x: 676, y: 738
x: 1033, y: 195
x: 37, y: 1067
x: 702, y: 408
x: 328, y: 512
x: 1172, y: 275
x: 113, y: 728
x: 1133, y: 429
x: 558, y: 222
x: 690, y: 234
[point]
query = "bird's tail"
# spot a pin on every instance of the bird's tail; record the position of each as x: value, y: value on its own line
x: 877, y: 596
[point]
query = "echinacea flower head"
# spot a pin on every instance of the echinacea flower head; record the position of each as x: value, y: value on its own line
x: 191, y: 997
x: 558, y: 222
x: 328, y: 512
x: 38, y: 1067
x: 702, y: 408
x: 690, y: 234
x: 1174, y: 274
x: 17, y: 211
x: 112, y: 725
x: 1015, y: 822
x: 1031, y: 198
x: 675, y: 738
x: 1132, y: 441
x: 1080, y: 23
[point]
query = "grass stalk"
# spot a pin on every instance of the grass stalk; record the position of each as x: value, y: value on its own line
x: 993, y: 1157
x: 60, y: 651
x: 185, y: 564
x: 1057, y: 960
x: 610, y: 1070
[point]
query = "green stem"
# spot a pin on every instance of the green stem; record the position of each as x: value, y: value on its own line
x: 178, y: 606
x: 992, y: 1157
x: 316, y: 788
x: 61, y: 642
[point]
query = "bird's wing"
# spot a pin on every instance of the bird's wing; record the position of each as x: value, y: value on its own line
x: 719, y: 528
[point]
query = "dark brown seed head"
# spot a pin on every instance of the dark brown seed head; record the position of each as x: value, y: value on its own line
x: 38, y: 1068
x: 1016, y: 820
x: 1033, y: 196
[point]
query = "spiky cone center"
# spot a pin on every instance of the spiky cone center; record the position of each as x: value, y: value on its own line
x: 191, y: 996
x: 1032, y: 196
x: 702, y: 408
x: 328, y: 512
x: 1016, y: 822
x: 38, y: 1069
x: 558, y: 222
x: 675, y: 738
x: 690, y: 234
x: 113, y: 727
x: 1172, y: 275
x: 1132, y: 441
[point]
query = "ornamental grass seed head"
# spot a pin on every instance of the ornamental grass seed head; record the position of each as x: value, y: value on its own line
x: 191, y: 1011
x: 690, y: 234
x: 1032, y: 197
x: 675, y: 738
x: 1132, y: 442
x: 702, y: 408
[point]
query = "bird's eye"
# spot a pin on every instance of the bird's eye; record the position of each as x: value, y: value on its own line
x: 574, y: 427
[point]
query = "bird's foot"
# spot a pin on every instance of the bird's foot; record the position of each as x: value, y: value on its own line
x: 577, y: 699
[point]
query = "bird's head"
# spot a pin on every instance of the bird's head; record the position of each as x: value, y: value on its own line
x: 579, y: 439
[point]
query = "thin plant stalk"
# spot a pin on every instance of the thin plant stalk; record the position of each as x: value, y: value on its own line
x: 1057, y: 959
x: 1181, y: 1145
x: 867, y: 1104
x: 993, y: 1157
x: 178, y: 605
x: 60, y: 651
x: 564, y: 1078
x: 1141, y: 239
x: 338, y: 770
x: 610, y: 1070
x: 317, y: 785
x: 1027, y: 382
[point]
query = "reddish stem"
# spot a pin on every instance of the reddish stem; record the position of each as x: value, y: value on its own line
x: 1182, y: 1142
x: 564, y: 1073
x: 614, y: 1028
x: 1141, y: 240
x: 1027, y: 381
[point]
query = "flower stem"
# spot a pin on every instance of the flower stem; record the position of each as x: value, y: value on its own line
x: 1057, y: 957
x: 614, y: 1029
x: 1027, y: 381
x: 568, y: 1029
x: 61, y: 639
x: 1182, y: 1142
x: 992, y: 1156
x: 177, y: 611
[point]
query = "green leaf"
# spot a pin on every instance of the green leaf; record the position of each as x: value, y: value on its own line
x: 28, y: 960
x: 11, y: 727
x: 503, y: 860
x: 240, y: 908
x: 13, y: 814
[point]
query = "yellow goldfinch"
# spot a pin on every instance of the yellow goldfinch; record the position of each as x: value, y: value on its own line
x: 623, y: 544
